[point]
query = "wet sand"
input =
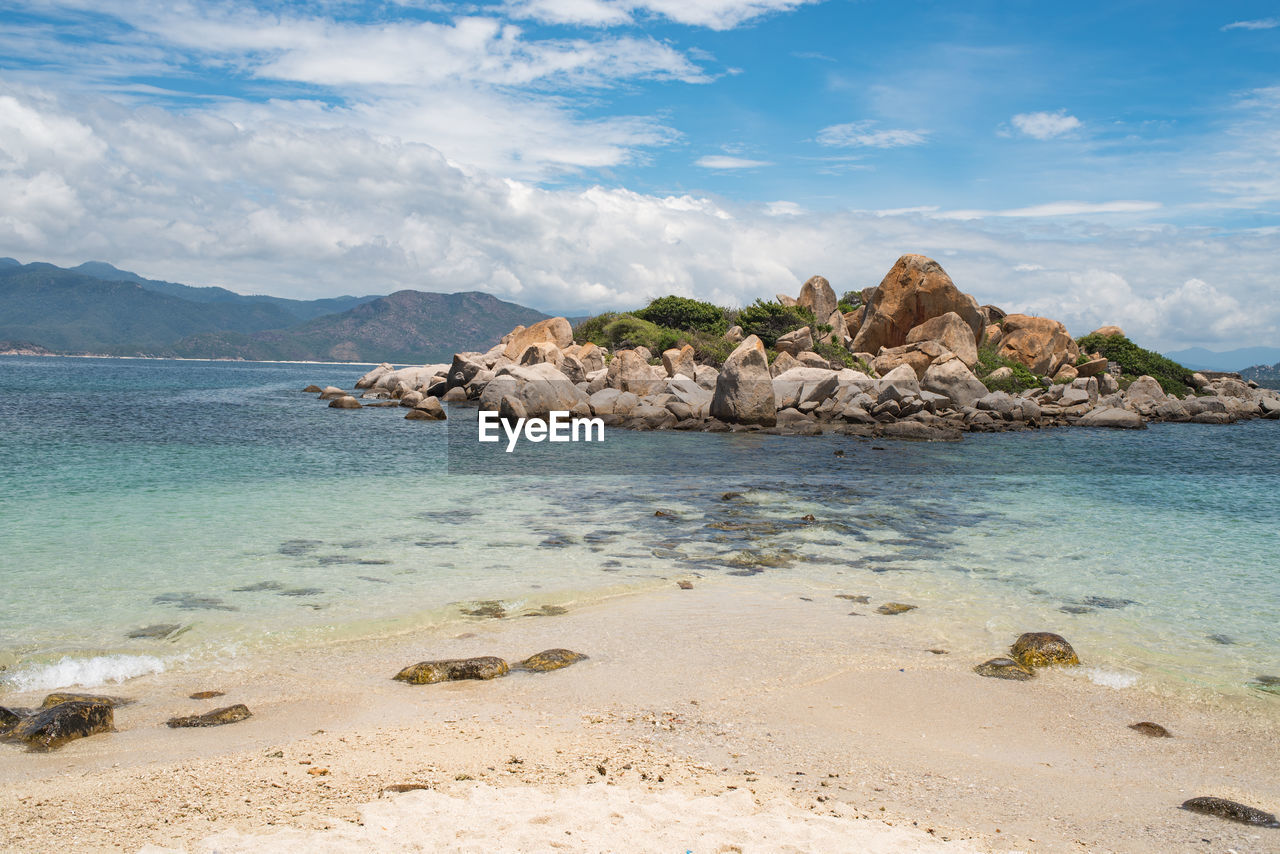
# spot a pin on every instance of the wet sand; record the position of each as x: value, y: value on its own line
x: 745, y: 716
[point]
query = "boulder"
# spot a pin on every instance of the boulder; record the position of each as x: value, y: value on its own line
x: 371, y: 378
x: 1066, y: 374
x: 915, y: 290
x: 795, y: 341
x: 1107, y: 384
x: 1001, y: 374
x: 1043, y: 649
x: 734, y: 335
x: 744, y: 388
x: 1092, y: 368
x: 706, y: 377
x: 550, y: 659
x: 1145, y: 389
x: 427, y: 409
x: 955, y: 381
x: 591, y: 356
x: 810, y: 359
x: 799, y: 386
x: 1004, y: 668
x: 630, y: 371
x: 511, y: 410
x: 839, y: 334
x: 817, y: 296
x: 992, y: 335
x: 344, y: 402
x: 1231, y: 811
x: 1113, y: 417
x: 918, y: 356
x: 541, y: 388
x: 853, y: 320
x: 57, y: 698
x: 784, y: 362
x: 218, y: 717
x: 454, y: 395
x: 554, y: 330
x: 412, y: 377
x: 783, y: 299
x: 571, y: 366
x: 49, y: 729
x: 1041, y: 344
x: 951, y: 332
x: 313, y: 389
x: 1108, y: 331
x: 453, y: 670
x: 463, y: 371
x: 332, y: 392
x: 679, y: 361
x: 540, y: 352
x: 612, y: 401
x: 898, y: 385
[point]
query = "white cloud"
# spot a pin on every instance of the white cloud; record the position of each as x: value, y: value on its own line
x: 1045, y: 125
x: 301, y: 209
x: 1260, y: 24
x: 720, y: 161
x: 1051, y: 209
x: 864, y: 134
x: 713, y: 14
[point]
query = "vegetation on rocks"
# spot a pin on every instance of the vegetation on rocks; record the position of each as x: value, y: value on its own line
x: 769, y: 320
x: 685, y: 314
x: 1135, y: 361
x: 989, y: 360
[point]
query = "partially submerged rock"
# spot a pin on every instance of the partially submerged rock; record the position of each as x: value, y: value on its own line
x: 218, y: 717
x: 550, y: 659
x: 453, y: 670
x: 892, y: 608
x: 207, y: 695
x: 1230, y: 810
x: 60, y: 697
x: 1043, y: 649
x: 744, y: 389
x: 1004, y: 668
x: 49, y: 729
x: 344, y: 402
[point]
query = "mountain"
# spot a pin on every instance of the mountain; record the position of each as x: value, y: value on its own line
x: 69, y: 312
x: 405, y: 327
x: 1200, y: 359
x: 1267, y: 376
x: 299, y: 309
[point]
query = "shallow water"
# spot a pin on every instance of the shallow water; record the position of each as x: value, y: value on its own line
x: 221, y: 510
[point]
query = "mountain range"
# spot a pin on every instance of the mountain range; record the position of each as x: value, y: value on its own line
x: 1200, y: 359
x: 96, y: 308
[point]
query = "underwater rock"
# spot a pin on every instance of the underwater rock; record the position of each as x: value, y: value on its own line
x: 1231, y: 811
x: 301, y: 591
x: 1043, y: 649
x: 1151, y: 729
x: 892, y: 608
x: 664, y: 514
x: 861, y: 600
x: 207, y: 695
x: 453, y: 670
x: 490, y: 609
x: 192, y: 602
x: 49, y: 729
x: 547, y: 611
x: 218, y: 717
x: 260, y: 586
x: 158, y: 631
x: 1266, y: 684
x: 550, y: 659
x: 684, y: 585
x: 1004, y: 668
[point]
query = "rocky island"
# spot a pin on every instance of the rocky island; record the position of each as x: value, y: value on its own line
x: 914, y: 358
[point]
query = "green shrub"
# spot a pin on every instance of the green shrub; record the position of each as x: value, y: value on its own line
x: 592, y: 329
x: 685, y: 314
x: 628, y: 331
x: 768, y: 320
x: 708, y: 348
x: 989, y: 360
x: 837, y: 354
x: 1135, y: 361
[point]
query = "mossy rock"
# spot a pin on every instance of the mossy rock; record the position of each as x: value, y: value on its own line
x: 8, y: 717
x: 551, y: 659
x: 1231, y: 810
x: 218, y: 717
x: 453, y: 670
x: 892, y: 608
x: 59, y: 697
x: 1150, y: 729
x: 1004, y: 668
x: 1043, y: 649
x: 492, y: 610
x: 49, y: 729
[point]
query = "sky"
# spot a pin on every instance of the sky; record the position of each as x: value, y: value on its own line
x: 1113, y: 162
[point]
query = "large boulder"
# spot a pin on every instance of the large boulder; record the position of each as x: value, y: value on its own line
x: 630, y: 371
x: 540, y: 388
x: 463, y: 370
x: 555, y: 330
x: 415, y: 376
x: 783, y: 363
x: 898, y: 384
x: 1041, y: 344
x: 679, y: 361
x: 53, y: 727
x: 955, y: 381
x: 368, y: 380
x: 540, y: 352
x: 919, y: 356
x: 839, y: 333
x: 1110, y: 416
x: 591, y: 356
x: 1108, y: 332
x: 800, y: 386
x: 817, y: 296
x: 795, y: 342
x: 952, y: 332
x: 915, y: 290
x: 744, y: 389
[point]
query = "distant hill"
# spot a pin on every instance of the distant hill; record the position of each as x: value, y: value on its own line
x: 298, y: 309
x: 96, y: 308
x: 407, y: 326
x: 1200, y: 359
x: 1267, y: 376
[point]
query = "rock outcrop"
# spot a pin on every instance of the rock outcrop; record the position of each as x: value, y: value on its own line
x: 1041, y: 344
x: 917, y: 289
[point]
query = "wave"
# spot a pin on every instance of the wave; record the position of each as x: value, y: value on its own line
x: 84, y: 672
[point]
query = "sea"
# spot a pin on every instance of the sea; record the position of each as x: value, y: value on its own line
x: 158, y: 515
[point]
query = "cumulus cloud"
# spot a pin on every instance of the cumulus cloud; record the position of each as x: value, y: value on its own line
x: 713, y: 14
x: 1045, y: 125
x: 1259, y: 24
x: 724, y: 162
x: 865, y: 134
x: 302, y: 210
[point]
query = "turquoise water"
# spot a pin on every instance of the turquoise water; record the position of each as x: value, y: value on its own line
x: 144, y: 493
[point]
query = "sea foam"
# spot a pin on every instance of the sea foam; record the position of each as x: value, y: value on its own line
x: 1111, y: 678
x: 84, y: 672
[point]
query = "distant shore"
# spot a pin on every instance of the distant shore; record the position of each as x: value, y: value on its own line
x: 30, y: 354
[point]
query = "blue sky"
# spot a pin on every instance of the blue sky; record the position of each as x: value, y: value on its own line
x: 1114, y: 162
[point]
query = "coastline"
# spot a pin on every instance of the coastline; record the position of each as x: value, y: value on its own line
x: 767, y: 680
x: 27, y: 355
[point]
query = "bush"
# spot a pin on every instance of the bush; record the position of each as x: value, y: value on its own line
x: 592, y: 329
x: 989, y: 360
x: 628, y: 331
x: 1135, y: 361
x: 685, y: 314
x: 708, y: 348
x: 769, y: 320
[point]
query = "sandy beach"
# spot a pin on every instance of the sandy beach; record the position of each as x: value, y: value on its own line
x: 729, y: 717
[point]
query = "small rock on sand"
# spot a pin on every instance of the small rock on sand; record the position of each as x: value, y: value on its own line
x: 1004, y: 668
x: 218, y: 717
x: 1230, y: 810
x: 1151, y: 729
x: 453, y: 670
x: 1043, y: 649
x: 550, y: 659
x: 684, y: 585
x: 207, y: 695
x: 892, y: 608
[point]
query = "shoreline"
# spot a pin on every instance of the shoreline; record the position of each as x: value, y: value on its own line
x: 768, y: 681
x: 174, y: 359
